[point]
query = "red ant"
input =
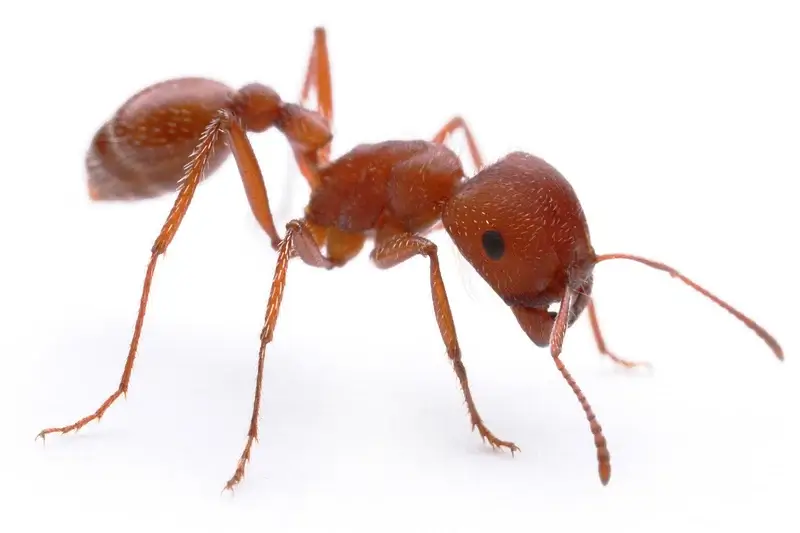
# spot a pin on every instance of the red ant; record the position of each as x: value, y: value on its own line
x: 518, y: 222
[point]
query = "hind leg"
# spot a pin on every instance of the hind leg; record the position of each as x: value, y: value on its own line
x: 318, y: 79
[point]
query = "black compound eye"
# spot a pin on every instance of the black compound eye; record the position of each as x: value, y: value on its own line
x: 493, y: 244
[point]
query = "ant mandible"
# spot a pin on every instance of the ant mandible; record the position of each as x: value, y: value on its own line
x: 518, y: 221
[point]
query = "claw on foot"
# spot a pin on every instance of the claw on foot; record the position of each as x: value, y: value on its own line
x: 494, y: 442
x: 629, y: 364
x: 66, y: 429
x: 238, y: 474
x: 497, y: 443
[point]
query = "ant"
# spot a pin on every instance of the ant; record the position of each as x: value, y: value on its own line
x: 518, y: 222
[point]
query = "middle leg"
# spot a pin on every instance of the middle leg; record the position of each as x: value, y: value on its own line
x: 396, y: 249
x: 298, y: 242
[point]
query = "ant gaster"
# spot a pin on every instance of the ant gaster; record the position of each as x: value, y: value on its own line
x: 518, y: 221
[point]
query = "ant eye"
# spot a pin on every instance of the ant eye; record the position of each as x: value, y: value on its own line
x: 493, y: 244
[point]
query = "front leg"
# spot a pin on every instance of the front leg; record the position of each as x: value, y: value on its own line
x: 396, y: 249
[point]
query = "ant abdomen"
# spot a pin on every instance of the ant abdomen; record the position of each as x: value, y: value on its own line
x: 142, y: 150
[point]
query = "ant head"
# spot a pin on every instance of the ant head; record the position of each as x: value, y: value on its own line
x: 258, y: 106
x: 519, y: 224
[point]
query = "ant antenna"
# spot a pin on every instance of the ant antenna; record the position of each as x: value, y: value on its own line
x: 749, y: 322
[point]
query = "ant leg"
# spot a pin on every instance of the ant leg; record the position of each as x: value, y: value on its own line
x: 299, y: 241
x: 341, y: 247
x: 251, y: 174
x: 448, y: 129
x: 441, y: 137
x: 318, y: 78
x: 396, y: 249
x: 601, y: 344
x: 583, y: 298
x: 256, y: 193
x: 557, y: 334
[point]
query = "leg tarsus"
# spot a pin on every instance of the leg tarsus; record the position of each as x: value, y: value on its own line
x: 97, y: 415
x: 238, y: 474
x: 396, y: 249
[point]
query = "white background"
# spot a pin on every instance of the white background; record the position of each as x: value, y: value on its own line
x: 679, y: 128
